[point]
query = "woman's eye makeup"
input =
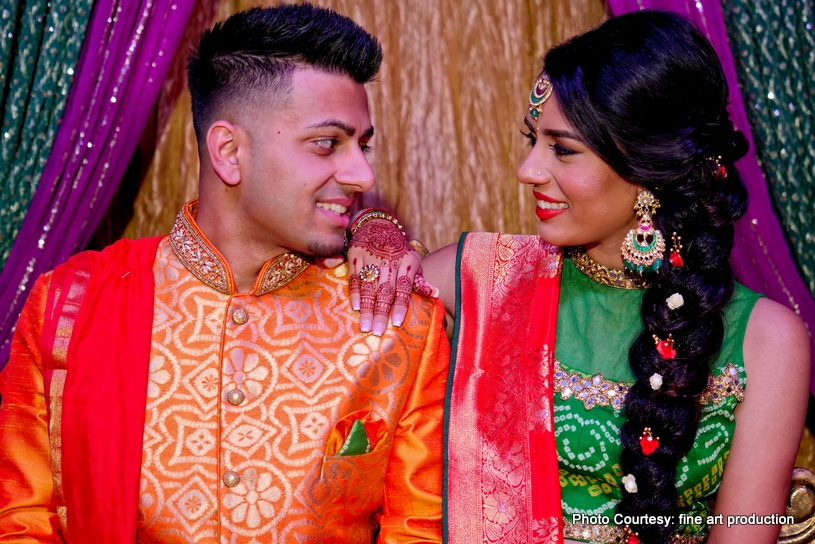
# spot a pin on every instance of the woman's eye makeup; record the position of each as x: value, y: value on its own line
x: 530, y: 136
x: 561, y: 150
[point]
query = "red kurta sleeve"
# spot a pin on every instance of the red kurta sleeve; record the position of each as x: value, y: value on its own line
x: 27, y: 510
x: 412, y: 509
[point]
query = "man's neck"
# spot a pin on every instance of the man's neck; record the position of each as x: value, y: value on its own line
x: 244, y: 256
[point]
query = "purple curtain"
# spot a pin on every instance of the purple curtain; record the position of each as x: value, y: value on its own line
x: 761, y: 257
x: 128, y: 48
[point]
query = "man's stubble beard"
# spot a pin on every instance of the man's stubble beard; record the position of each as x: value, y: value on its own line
x: 326, y: 249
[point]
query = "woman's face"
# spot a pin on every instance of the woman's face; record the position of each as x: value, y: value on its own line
x: 581, y: 201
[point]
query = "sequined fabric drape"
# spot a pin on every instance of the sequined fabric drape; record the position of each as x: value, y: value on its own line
x: 447, y: 106
x: 761, y: 256
x: 39, y: 47
x: 775, y: 62
x: 126, y: 52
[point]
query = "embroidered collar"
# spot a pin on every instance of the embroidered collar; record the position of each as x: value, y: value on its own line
x: 209, y: 266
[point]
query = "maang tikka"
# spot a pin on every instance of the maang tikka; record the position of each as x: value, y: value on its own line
x: 644, y: 247
x: 541, y: 91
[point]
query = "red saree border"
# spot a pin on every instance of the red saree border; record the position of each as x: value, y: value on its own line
x: 67, y: 288
x: 501, y: 482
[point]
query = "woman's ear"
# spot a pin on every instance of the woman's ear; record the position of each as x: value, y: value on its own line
x: 222, y: 140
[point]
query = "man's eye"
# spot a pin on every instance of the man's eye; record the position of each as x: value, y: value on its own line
x: 327, y: 143
x: 560, y: 150
x: 365, y: 148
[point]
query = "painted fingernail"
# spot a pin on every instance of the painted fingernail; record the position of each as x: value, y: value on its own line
x: 379, y: 328
x: 355, y: 305
x: 365, y: 325
x: 397, y: 320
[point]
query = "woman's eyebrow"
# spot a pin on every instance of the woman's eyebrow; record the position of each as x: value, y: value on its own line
x: 562, y: 134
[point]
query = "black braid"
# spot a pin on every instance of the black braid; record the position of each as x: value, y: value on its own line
x: 647, y: 92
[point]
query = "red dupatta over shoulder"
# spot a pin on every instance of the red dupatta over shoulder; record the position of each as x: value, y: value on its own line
x: 501, y: 479
x: 96, y: 354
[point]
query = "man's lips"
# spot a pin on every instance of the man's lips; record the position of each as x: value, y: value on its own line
x: 336, y: 211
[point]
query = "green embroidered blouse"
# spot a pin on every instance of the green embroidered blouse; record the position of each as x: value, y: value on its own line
x: 591, y: 380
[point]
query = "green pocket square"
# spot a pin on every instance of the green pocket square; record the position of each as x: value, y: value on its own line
x: 357, y: 442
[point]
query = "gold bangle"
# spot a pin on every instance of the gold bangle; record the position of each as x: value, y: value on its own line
x: 420, y: 248
x: 372, y: 213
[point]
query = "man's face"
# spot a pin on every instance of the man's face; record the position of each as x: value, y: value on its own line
x: 306, y: 163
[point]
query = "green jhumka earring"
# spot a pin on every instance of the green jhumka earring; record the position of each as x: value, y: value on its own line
x: 644, y: 246
x: 540, y: 92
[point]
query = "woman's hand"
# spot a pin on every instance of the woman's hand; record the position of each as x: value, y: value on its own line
x: 384, y: 270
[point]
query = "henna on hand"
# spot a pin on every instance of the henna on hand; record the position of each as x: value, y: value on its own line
x: 366, y: 296
x: 378, y: 242
x: 354, y: 283
x: 384, y: 299
x: 404, y: 287
x: 423, y: 288
x: 383, y: 241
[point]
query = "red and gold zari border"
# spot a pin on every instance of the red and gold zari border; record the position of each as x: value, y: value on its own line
x: 499, y: 411
x: 64, y: 301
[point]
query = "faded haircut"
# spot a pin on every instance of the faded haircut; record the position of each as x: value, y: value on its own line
x: 254, y: 53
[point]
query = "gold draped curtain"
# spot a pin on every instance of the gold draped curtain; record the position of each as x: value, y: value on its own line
x: 448, y: 106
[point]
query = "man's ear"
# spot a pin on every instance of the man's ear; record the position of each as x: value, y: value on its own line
x: 223, y: 139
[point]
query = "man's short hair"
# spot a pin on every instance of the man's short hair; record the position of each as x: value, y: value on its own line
x: 255, y: 52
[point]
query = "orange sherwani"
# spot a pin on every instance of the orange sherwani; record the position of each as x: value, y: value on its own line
x: 146, y: 400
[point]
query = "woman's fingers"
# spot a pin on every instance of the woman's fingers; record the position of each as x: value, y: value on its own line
x: 382, y: 309
x: 369, y: 276
x: 423, y: 288
x: 401, y: 301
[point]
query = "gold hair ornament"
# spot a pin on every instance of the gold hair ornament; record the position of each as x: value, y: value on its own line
x: 541, y: 91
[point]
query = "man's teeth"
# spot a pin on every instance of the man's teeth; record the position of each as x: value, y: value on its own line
x: 336, y: 208
x: 552, y: 205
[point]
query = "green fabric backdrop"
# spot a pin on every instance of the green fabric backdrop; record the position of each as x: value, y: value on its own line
x: 39, y: 49
x: 773, y: 42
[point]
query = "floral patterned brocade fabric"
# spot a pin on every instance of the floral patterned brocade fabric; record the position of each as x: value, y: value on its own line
x: 292, y: 351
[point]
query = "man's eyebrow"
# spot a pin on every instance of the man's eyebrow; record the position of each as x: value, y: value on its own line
x: 345, y: 127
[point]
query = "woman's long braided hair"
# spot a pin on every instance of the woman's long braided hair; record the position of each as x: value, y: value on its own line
x: 647, y: 92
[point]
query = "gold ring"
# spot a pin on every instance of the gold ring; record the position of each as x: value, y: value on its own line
x: 369, y: 273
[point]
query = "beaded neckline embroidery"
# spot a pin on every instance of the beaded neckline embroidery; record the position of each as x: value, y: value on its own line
x: 597, y: 391
x: 603, y: 275
x: 206, y: 264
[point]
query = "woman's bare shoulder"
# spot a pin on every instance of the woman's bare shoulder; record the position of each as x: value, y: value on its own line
x: 776, y: 344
